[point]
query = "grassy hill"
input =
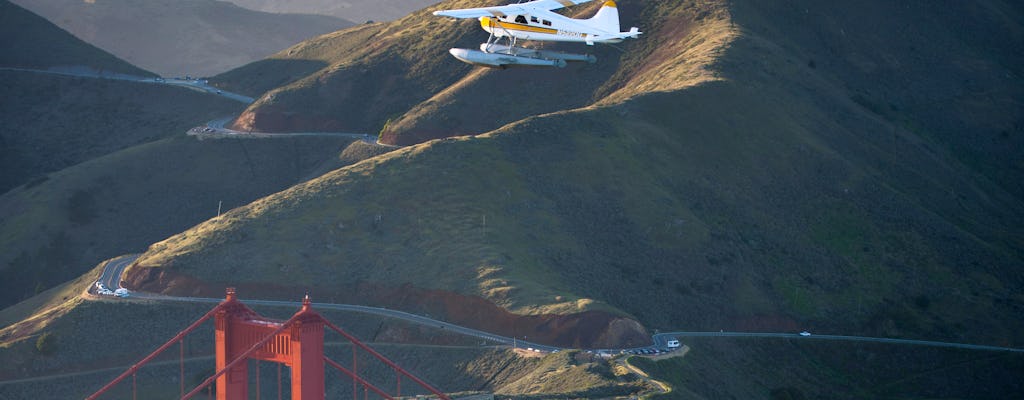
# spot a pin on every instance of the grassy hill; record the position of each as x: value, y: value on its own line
x: 53, y: 122
x: 745, y: 166
x: 779, y: 369
x: 358, y: 78
x: 177, y: 38
x: 29, y: 41
x: 720, y: 180
x: 96, y: 117
x: 106, y: 333
x: 122, y: 202
x: 94, y: 168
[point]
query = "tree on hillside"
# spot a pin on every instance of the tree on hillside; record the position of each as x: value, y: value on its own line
x: 46, y: 344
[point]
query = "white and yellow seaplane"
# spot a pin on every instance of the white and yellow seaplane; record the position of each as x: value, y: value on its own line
x: 535, y: 20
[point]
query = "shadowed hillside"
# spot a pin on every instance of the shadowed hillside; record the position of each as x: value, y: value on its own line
x: 182, y: 37
x: 723, y: 179
x: 451, y: 362
x: 122, y: 202
x: 744, y: 166
x: 417, y: 92
x: 29, y: 41
x: 54, y: 122
x: 93, y: 168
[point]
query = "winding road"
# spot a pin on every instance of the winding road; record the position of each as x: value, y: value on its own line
x: 112, y: 272
x: 114, y: 269
x: 219, y: 127
x: 215, y: 127
x: 87, y: 72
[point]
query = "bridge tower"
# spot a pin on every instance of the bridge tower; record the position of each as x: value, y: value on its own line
x: 300, y: 347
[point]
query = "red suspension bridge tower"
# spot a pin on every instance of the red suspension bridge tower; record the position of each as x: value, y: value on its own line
x: 300, y: 346
x: 242, y: 334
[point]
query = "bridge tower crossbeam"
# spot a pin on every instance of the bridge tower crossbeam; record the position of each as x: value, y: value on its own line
x: 299, y: 346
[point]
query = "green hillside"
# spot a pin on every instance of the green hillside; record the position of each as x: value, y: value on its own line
x: 96, y: 117
x: 353, y: 80
x: 122, y: 202
x: 93, y: 168
x: 29, y: 41
x: 107, y: 334
x: 750, y: 166
x: 740, y: 189
x: 782, y: 369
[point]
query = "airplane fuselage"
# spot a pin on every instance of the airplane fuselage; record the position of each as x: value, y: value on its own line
x: 535, y: 21
x: 538, y: 28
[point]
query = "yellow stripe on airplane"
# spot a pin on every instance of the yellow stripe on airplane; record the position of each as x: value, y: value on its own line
x: 488, y: 22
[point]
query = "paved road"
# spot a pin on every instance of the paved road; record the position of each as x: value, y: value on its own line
x: 215, y: 127
x: 115, y: 268
x: 112, y: 272
x: 661, y: 338
x: 219, y: 127
x: 86, y: 72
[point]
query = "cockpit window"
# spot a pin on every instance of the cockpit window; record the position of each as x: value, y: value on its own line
x: 520, y: 19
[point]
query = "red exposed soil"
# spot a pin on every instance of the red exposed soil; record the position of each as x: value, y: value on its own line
x: 589, y: 329
x: 268, y: 119
x: 164, y: 281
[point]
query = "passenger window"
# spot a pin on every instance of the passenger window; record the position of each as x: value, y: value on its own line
x: 533, y: 19
x: 546, y: 22
x: 520, y: 19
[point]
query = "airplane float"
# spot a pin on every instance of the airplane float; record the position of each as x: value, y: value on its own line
x: 535, y: 20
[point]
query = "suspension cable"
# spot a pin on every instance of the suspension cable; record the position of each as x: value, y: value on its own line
x: 356, y: 379
x: 355, y: 372
x: 385, y: 360
x: 181, y: 364
x: 134, y: 368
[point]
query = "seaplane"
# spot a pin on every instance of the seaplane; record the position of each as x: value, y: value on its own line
x: 536, y: 20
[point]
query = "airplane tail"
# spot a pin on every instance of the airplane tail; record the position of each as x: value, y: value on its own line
x: 607, y: 18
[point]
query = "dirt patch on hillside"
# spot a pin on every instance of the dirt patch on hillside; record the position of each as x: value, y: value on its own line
x: 169, y: 282
x: 588, y: 329
x: 272, y: 119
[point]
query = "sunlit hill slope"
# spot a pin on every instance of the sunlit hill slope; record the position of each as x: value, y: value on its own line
x: 742, y: 166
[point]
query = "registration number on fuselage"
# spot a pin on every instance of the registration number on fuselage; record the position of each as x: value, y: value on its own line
x: 570, y: 33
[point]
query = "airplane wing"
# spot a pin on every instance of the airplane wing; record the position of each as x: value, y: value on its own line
x: 511, y: 9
